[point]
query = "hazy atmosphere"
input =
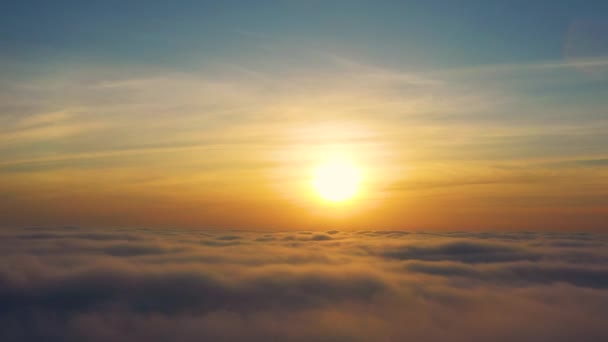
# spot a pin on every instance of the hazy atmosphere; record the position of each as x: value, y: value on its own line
x: 304, y: 170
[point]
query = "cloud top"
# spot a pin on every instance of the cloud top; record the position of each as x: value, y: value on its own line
x: 67, y: 284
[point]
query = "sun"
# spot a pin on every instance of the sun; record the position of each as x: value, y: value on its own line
x: 337, y: 181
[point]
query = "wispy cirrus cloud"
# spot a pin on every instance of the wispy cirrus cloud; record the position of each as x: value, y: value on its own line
x: 432, y: 133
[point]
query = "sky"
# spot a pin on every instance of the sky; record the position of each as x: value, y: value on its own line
x: 473, y: 115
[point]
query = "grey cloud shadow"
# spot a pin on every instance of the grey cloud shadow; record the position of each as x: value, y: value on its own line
x: 462, y: 251
x: 519, y: 274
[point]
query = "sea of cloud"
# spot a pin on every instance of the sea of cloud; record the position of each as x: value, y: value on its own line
x: 76, y: 284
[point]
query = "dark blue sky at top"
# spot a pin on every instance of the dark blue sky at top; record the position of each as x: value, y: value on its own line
x: 411, y: 33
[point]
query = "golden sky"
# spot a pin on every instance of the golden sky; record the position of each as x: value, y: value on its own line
x: 222, y: 124
x: 239, y: 149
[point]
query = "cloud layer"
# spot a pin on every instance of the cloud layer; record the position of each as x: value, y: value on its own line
x: 72, y: 284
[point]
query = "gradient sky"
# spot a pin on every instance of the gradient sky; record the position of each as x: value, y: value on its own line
x: 214, y: 114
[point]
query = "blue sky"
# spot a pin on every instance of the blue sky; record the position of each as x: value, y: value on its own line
x: 401, y: 33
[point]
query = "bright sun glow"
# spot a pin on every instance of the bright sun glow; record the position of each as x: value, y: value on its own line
x: 337, y: 181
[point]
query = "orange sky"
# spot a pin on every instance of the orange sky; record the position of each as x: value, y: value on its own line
x: 225, y: 128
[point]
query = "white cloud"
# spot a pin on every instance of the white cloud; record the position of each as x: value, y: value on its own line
x: 73, y: 283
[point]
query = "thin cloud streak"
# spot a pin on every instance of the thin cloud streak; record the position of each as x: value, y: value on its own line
x: 408, y: 127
